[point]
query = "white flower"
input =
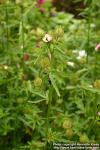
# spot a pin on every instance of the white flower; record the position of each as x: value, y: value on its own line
x: 5, y: 67
x: 90, y: 86
x: 69, y: 63
x: 21, y: 47
x: 98, y: 113
x: 47, y: 38
x: 82, y: 54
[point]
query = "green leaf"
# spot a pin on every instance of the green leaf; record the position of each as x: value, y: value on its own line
x: 39, y: 94
x: 37, y: 101
x: 93, y: 90
x: 54, y: 85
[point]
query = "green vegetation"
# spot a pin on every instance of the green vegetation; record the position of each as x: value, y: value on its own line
x: 49, y: 75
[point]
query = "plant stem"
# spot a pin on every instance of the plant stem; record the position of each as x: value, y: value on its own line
x: 48, y: 115
x: 49, y: 103
x: 2, y: 27
x: 22, y: 32
x: 95, y: 67
x: 88, y: 35
x: 88, y: 41
x: 96, y: 96
x: 7, y: 32
x: 95, y: 114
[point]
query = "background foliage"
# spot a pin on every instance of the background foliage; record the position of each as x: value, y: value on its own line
x: 48, y: 92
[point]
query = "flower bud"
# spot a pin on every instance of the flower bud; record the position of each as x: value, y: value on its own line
x: 38, y: 82
x: 84, y: 138
x: 67, y: 124
x: 59, y: 32
x: 69, y: 133
x: 45, y: 63
x: 39, y: 32
x: 97, y: 48
x: 97, y: 84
